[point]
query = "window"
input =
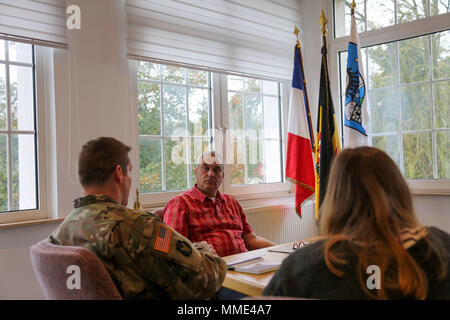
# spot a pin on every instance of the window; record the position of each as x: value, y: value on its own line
x: 18, y: 136
x: 174, y: 111
x: 181, y: 115
x: 409, y: 90
x: 377, y: 14
x: 254, y: 136
x: 407, y: 72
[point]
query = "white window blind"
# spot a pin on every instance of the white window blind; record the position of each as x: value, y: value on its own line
x: 245, y: 36
x: 43, y: 20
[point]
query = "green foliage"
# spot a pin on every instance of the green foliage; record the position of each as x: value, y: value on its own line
x: 414, y: 60
x: 150, y: 165
x: 174, y: 104
x: 443, y: 154
x: 417, y: 156
x: 442, y: 104
x: 415, y: 102
x: 149, y: 109
x: 383, y: 65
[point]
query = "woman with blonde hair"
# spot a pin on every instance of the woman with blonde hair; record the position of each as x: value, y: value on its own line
x: 372, y: 247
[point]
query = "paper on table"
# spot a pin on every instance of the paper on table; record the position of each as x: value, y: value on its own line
x: 245, y: 260
x: 257, y: 267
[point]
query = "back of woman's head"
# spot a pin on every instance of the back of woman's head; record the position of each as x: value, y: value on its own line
x: 367, y: 205
x: 366, y: 196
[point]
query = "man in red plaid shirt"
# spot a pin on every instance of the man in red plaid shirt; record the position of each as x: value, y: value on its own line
x: 205, y: 214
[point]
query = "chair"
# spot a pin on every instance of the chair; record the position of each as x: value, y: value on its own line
x: 159, y: 213
x: 51, y: 265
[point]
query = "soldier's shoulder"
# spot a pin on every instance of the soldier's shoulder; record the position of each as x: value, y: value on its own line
x: 141, y: 215
x: 140, y: 219
x: 109, y: 207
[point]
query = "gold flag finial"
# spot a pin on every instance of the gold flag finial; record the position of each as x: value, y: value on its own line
x: 323, y: 21
x: 353, y: 6
x: 137, y: 204
x: 296, y: 31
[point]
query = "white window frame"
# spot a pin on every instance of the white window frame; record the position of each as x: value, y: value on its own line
x: 219, y: 115
x: 392, y: 33
x: 244, y: 192
x: 41, y: 67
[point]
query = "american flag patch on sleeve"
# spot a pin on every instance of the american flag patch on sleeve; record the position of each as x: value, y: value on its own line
x: 163, y: 239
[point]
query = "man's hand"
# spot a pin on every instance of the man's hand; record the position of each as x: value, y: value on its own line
x: 253, y: 242
x: 203, y: 245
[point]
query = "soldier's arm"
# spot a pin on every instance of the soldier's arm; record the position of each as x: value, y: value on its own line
x: 169, y: 260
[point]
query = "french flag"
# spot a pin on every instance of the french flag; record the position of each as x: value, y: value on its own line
x: 299, y: 157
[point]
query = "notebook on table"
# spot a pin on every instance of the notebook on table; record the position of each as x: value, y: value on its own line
x: 255, y: 266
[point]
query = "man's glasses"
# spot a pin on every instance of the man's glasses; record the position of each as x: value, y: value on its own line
x: 300, y: 244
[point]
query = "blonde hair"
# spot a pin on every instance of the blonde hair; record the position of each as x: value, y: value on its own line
x: 366, y: 205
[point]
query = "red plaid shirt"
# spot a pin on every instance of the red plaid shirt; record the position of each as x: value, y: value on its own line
x: 222, y: 224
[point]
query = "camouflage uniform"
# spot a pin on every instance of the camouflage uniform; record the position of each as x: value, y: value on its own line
x: 125, y: 241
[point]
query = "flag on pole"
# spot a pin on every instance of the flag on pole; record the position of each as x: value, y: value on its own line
x: 356, y: 112
x: 299, y: 157
x: 328, y: 144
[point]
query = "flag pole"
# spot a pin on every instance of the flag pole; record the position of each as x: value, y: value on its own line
x: 322, y: 21
x: 353, y: 6
x: 308, y: 111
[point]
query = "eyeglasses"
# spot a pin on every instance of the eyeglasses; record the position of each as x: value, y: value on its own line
x: 300, y: 244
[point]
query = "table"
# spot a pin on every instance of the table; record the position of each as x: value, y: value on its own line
x: 251, y: 284
x: 254, y: 284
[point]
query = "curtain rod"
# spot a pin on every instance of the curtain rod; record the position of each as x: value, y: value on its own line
x: 197, y: 67
x: 33, y: 41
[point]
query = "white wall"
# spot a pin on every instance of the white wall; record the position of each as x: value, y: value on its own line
x: 17, y: 279
x: 99, y: 78
x: 92, y: 86
x: 433, y: 210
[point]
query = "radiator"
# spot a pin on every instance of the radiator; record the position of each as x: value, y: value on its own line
x: 281, y: 223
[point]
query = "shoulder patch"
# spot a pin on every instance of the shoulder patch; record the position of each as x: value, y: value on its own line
x: 163, y: 239
x: 184, y: 248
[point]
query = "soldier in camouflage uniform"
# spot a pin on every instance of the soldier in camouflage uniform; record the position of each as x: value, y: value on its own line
x: 145, y: 258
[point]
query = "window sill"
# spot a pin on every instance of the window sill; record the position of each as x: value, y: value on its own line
x: 28, y: 223
x: 429, y: 187
x: 247, y: 202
